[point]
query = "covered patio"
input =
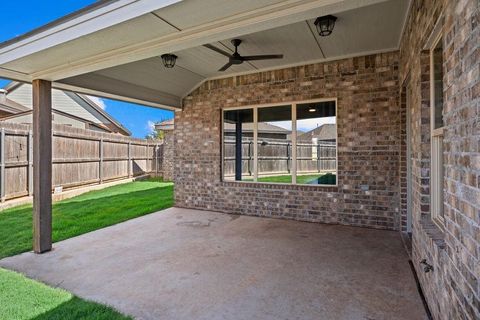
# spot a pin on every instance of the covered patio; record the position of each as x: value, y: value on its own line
x: 190, y: 264
x: 398, y: 84
x: 160, y: 54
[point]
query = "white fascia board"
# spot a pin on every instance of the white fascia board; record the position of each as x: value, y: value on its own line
x: 14, y: 75
x: 101, y: 94
x: 272, y: 16
x: 101, y: 18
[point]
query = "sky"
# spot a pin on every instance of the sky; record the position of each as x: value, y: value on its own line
x: 19, y: 17
x: 305, y: 125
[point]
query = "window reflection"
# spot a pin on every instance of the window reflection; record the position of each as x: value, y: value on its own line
x: 275, y: 144
x: 238, y: 145
x: 316, y: 143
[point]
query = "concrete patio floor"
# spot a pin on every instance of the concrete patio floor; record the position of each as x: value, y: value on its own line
x: 189, y: 264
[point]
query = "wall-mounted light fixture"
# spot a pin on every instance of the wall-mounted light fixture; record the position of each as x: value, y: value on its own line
x: 169, y: 60
x: 325, y: 25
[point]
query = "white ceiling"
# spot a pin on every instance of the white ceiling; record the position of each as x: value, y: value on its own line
x: 360, y: 31
x: 124, y: 34
x: 205, y: 11
x: 122, y: 60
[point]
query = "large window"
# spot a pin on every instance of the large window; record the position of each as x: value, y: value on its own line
x: 436, y: 139
x: 294, y: 143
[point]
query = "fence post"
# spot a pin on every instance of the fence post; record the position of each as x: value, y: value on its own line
x: 146, y: 159
x: 30, y: 163
x: 129, y: 164
x: 100, y: 166
x: 288, y: 157
x: 249, y: 158
x: 2, y: 165
x: 156, y: 160
x: 318, y: 157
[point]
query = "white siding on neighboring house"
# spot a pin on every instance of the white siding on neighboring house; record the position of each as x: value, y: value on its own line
x: 60, y: 101
x: 57, y: 118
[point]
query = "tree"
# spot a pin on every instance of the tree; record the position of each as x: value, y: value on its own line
x: 155, y: 135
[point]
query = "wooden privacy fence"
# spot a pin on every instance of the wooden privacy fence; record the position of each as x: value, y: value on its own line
x: 275, y: 157
x: 80, y: 157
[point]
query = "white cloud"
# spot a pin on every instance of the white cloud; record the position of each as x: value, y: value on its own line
x: 98, y: 101
x: 150, y: 126
x: 305, y: 124
x: 310, y: 124
x: 282, y: 124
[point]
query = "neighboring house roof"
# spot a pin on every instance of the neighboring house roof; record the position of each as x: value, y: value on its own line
x: 263, y: 127
x: 165, y: 125
x: 74, y: 104
x: 8, y: 106
x: 112, y: 120
x: 323, y: 132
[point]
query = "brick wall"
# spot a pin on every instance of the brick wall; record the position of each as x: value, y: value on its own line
x: 369, y: 143
x: 167, y: 155
x: 453, y: 289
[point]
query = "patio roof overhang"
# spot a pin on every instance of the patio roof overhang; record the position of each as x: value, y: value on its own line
x: 112, y: 49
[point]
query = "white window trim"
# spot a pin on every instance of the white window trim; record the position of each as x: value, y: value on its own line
x: 293, y: 105
x: 434, y: 131
x: 436, y: 148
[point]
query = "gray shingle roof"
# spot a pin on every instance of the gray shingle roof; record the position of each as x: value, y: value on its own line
x: 323, y: 132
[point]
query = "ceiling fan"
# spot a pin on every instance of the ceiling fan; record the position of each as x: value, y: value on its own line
x: 236, y: 58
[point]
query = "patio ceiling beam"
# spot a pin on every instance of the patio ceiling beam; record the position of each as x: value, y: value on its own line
x: 268, y: 17
x: 42, y: 165
x: 106, y: 87
x: 14, y: 75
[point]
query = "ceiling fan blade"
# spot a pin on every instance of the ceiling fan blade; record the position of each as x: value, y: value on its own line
x: 263, y: 57
x: 225, y: 67
x: 225, y: 53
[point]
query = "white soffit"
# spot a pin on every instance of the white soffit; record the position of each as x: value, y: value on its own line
x: 106, y: 87
x: 123, y: 34
x: 122, y: 61
x: 296, y: 42
x: 205, y: 11
x: 151, y: 73
x: 205, y: 62
x: 209, y: 21
x: 92, y: 19
x: 368, y: 29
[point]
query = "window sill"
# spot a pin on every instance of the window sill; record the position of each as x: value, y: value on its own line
x: 281, y: 186
x: 433, y: 232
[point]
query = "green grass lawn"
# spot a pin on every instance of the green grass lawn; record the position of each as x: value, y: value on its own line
x: 23, y: 298
x: 327, y: 178
x: 85, y: 213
